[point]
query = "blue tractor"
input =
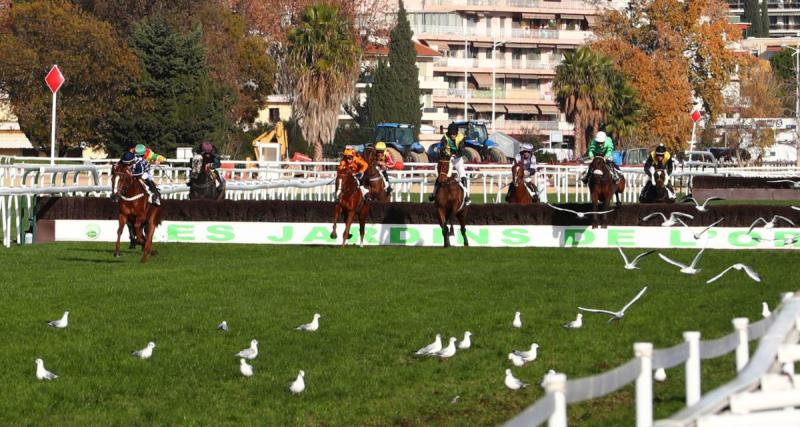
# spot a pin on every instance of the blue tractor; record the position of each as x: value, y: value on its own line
x: 479, y: 148
x: 400, y: 142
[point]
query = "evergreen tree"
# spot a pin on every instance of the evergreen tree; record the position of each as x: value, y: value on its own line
x: 764, y: 19
x: 752, y: 15
x: 380, y: 96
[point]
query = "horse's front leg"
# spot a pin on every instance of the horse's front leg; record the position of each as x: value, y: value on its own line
x: 148, y: 244
x: 443, y: 225
x: 123, y: 220
x: 139, y: 231
x: 595, y: 203
x: 337, y: 211
x: 362, y: 223
x: 346, y: 235
x: 131, y: 234
x: 462, y: 219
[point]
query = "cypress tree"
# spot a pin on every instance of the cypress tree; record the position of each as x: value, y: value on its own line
x: 764, y: 19
x: 403, y: 73
x: 751, y: 15
x: 380, y: 97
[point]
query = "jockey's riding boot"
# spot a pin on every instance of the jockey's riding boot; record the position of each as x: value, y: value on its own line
x: 585, y: 179
x: 432, y: 197
x: 466, y: 190
x: 388, y: 185
x: 154, y: 191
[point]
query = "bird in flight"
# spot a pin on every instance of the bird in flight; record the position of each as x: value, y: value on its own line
x: 616, y: 315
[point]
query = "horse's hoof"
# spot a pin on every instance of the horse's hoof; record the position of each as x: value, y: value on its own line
x: 116, y: 255
x: 349, y: 236
x: 132, y: 247
x: 333, y: 235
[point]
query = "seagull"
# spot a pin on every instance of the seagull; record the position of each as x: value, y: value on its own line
x: 580, y: 214
x: 245, y: 369
x: 448, y: 351
x: 42, y: 373
x: 616, y: 315
x: 466, y: 342
x: 631, y: 265
x: 708, y: 227
x: 770, y: 223
x: 512, y: 382
x: 575, y: 324
x: 313, y: 326
x: 660, y: 375
x: 223, y: 326
x: 455, y: 399
x: 298, y: 385
x: 699, y: 207
x: 527, y: 356
x: 249, y: 353
x: 686, y: 269
x: 516, y: 360
x: 146, y: 352
x: 432, y: 348
x: 765, y: 310
x: 517, y: 323
x: 60, y: 323
x: 738, y: 266
x: 547, y: 376
x: 672, y: 218
x: 795, y: 184
x: 797, y: 208
x: 787, y: 241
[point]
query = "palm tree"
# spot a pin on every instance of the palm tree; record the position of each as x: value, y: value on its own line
x: 582, y: 91
x: 323, y: 55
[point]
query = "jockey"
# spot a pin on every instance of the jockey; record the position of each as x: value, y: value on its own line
x: 355, y: 164
x: 658, y: 159
x: 384, y: 161
x: 528, y: 161
x: 211, y: 160
x: 453, y: 147
x: 602, y: 146
x: 141, y: 170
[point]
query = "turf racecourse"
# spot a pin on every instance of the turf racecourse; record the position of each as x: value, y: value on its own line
x: 377, y: 305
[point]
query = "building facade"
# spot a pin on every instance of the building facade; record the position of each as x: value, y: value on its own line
x: 784, y: 16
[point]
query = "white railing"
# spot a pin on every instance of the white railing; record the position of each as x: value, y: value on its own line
x: 776, y: 330
x: 564, y: 5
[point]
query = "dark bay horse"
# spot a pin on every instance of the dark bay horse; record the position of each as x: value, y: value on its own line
x: 657, y: 191
x: 520, y: 193
x: 375, y: 181
x: 350, y: 201
x: 449, y: 201
x: 134, y: 207
x: 602, y: 187
x: 202, y: 185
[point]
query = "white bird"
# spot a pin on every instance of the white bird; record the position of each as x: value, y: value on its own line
x: 708, y: 227
x: 223, y: 326
x: 60, y: 323
x: 512, y: 382
x: 42, y: 373
x: 529, y: 355
x: 516, y: 360
x: 299, y: 384
x: 146, y: 352
x: 631, y: 265
x: 765, y: 310
x: 699, y: 207
x: 580, y: 214
x: 787, y: 240
x: 672, y: 218
x: 660, y: 375
x: 616, y: 315
x: 466, y: 342
x: 313, y: 326
x: 546, y: 377
x: 251, y: 352
x: 769, y: 224
x: 739, y: 267
x: 575, y: 324
x: 245, y: 369
x: 448, y: 351
x: 686, y: 269
x: 797, y: 208
x: 455, y: 399
x: 795, y: 184
x: 517, y: 322
x: 432, y: 348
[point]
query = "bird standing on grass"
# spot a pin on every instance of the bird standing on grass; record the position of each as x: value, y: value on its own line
x: 42, y: 373
x: 146, y: 352
x: 528, y: 355
x: 448, y: 351
x: 512, y: 382
x: 299, y: 384
x: 61, y: 323
x: 249, y: 353
x: 432, y: 348
x: 765, y: 312
x: 245, y: 369
x: 466, y: 342
x: 223, y: 326
x: 575, y: 324
x: 517, y: 322
x: 311, y: 327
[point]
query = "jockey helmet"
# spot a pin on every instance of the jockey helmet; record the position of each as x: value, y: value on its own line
x: 140, y: 149
x: 348, y: 152
x: 660, y: 150
x: 380, y: 146
x: 526, y: 147
x: 206, y: 148
x: 128, y: 157
x: 452, y: 129
x: 600, y: 137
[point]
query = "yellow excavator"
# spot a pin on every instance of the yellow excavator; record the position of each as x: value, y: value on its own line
x: 276, y: 135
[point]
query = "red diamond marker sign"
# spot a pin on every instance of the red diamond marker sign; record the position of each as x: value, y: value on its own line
x: 54, y: 79
x: 695, y: 116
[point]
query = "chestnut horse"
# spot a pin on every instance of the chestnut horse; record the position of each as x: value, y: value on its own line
x: 521, y: 193
x: 350, y: 201
x: 375, y: 181
x: 134, y: 207
x: 450, y: 200
x: 602, y: 187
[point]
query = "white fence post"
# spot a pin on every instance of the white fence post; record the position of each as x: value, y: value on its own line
x: 743, y: 348
x: 557, y: 385
x: 644, y: 384
x: 692, y: 367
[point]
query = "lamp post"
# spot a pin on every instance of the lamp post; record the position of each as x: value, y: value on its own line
x: 494, y: 78
x: 796, y: 54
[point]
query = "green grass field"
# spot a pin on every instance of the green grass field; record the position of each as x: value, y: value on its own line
x: 378, y: 305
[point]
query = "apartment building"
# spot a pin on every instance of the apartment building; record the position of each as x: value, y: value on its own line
x: 784, y: 16
x: 498, y: 57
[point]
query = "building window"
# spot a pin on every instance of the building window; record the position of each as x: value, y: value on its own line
x: 516, y: 83
x: 274, y: 115
x: 534, y: 55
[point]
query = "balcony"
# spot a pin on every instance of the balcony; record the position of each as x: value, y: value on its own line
x: 432, y: 114
x: 506, y: 34
x: 432, y: 83
x: 457, y: 94
x: 561, y: 6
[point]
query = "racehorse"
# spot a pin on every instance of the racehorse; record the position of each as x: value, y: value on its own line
x: 450, y: 200
x: 603, y: 187
x: 202, y: 185
x: 657, y: 191
x: 375, y: 182
x: 521, y: 193
x: 134, y: 206
x: 350, y: 201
